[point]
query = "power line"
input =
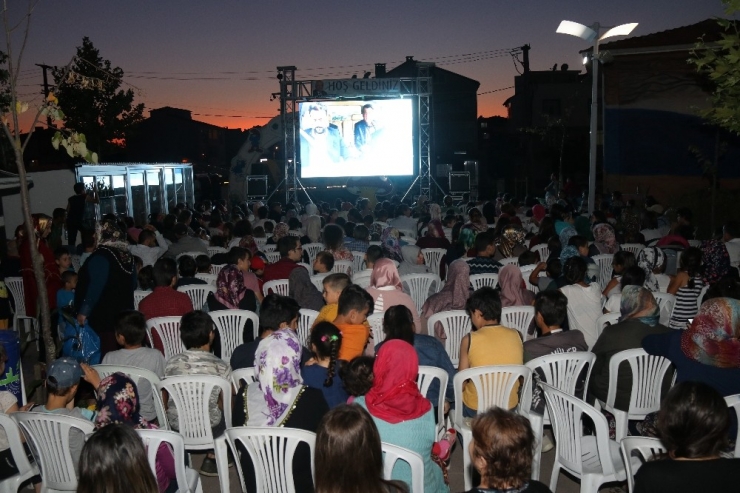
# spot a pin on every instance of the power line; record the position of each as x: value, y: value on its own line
x: 494, y: 90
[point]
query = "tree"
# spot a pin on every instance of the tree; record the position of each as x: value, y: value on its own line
x: 92, y: 101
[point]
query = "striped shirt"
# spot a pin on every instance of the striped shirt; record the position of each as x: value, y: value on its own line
x: 686, y: 307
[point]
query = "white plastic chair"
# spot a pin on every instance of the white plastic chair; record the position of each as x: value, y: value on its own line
x: 295, y: 233
x: 594, y: 458
x: 394, y: 453
x: 26, y: 470
x: 313, y: 249
x: 633, y: 248
x: 168, y: 329
x: 433, y: 258
x: 419, y: 286
x: 198, y: 293
x: 635, y: 452
x: 271, y: 450
x: 648, y: 373
x: 456, y: 324
x: 188, y: 480
x: 604, y: 261
x: 543, y: 250
x: 306, y: 319
x: 15, y: 285
x: 245, y: 375
x: 700, y: 297
x: 666, y: 302
x: 75, y: 262
x: 509, y: 261
x: 376, y: 327
x: 480, y: 280
x: 216, y: 268
x: 138, y: 374
x: 526, y: 271
x: 494, y: 385
x: 376, y: 243
x: 230, y: 325
x: 213, y: 250
x: 409, y: 234
x: 272, y: 257
x: 139, y: 295
x: 190, y: 254
x: 362, y: 278
x: 342, y: 267
x: 358, y: 261
x: 518, y: 317
x: 278, y: 286
x: 191, y: 395
x: 733, y: 402
x: 306, y: 266
x: 49, y: 436
x: 695, y: 243
x: 318, y: 280
x: 562, y: 371
x: 427, y: 375
x: 260, y: 242
x: 268, y: 248
x: 209, y: 278
x: 606, y: 319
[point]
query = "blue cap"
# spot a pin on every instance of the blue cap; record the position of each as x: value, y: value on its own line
x: 64, y: 372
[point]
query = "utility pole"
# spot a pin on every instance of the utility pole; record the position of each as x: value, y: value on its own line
x: 46, y: 88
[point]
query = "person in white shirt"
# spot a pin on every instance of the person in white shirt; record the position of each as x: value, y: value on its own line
x: 731, y: 237
x: 584, y: 300
x: 152, y: 245
x: 403, y: 219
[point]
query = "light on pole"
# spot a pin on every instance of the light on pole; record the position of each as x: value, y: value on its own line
x: 592, y: 34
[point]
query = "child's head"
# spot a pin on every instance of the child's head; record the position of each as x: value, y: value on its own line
x: 554, y: 268
x: 355, y: 304
x: 484, y: 307
x: 581, y: 243
x: 361, y: 233
x: 527, y: 258
x: 196, y: 329
x: 147, y: 238
x: 165, y: 272
x: 398, y: 323
x: 632, y: 276
x: 623, y: 260
x: 553, y: 244
x: 551, y: 308
x: 203, y: 263
x: 278, y: 312
x: 324, y: 262
x: 186, y: 266
x: 325, y: 342
x: 357, y: 375
x: 69, y: 280
x: 334, y: 284
x: 62, y: 377
x: 145, y: 277
x: 373, y: 253
x: 130, y: 328
x: 62, y: 257
x: 574, y: 270
x: 240, y: 257
x: 258, y: 232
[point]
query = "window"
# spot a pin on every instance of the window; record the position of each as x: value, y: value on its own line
x: 551, y: 107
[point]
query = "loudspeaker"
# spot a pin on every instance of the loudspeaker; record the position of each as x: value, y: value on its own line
x: 459, y: 182
x: 256, y: 186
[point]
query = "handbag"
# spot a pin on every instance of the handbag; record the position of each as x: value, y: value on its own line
x: 80, y: 341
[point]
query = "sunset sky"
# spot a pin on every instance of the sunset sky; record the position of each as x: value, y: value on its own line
x: 218, y: 58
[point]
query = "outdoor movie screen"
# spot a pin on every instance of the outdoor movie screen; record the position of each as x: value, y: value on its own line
x: 356, y: 138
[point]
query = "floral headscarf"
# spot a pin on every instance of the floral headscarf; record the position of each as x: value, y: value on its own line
x: 604, y: 238
x: 713, y: 338
x: 118, y: 403
x: 568, y: 252
x: 566, y: 234
x: 435, y: 229
x: 230, y: 287
x: 385, y: 274
x: 649, y: 259
x: 435, y: 211
x: 391, y: 245
x: 639, y: 303
x: 279, y: 382
x: 716, y: 260
x: 40, y: 223
x: 111, y: 238
x: 279, y: 231
x: 249, y: 243
x: 511, y: 237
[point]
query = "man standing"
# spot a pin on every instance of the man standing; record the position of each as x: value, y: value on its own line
x: 365, y: 128
x: 76, y: 208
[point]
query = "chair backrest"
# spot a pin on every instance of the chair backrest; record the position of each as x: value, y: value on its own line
x: 648, y: 372
x: 278, y: 286
x: 376, y: 243
x: 362, y: 278
x: 543, y: 250
x: 245, y: 375
x: 312, y: 249
x: 427, y: 375
x: 695, y: 243
x: 272, y: 257
x: 260, y: 242
x: 216, y: 268
x: 433, y: 258
x: 565, y: 413
x: 494, y: 385
x: 509, y: 261
x: 139, y: 295
x: 137, y: 374
x: 526, y: 271
x: 480, y: 280
x: 604, y: 261
x: 635, y: 452
x: 408, y: 233
x: 358, y: 261
x: 191, y: 395
x: 25, y: 469
x: 376, y: 327
x: 518, y: 317
x: 633, y: 248
x: 15, y: 285
x: 271, y: 450
x: 562, y: 370
x: 49, y: 435
x: 419, y: 286
x: 700, y: 298
x: 75, y: 262
x: 268, y: 248
x: 666, y: 302
x: 153, y: 439
x: 190, y: 254
x: 306, y: 319
x: 318, y: 280
x: 394, y: 453
x: 733, y: 402
x: 456, y: 324
x: 306, y: 266
x: 168, y: 329
x: 209, y: 278
x: 230, y: 326
x: 294, y: 232
x: 606, y: 319
x: 342, y: 267
x: 198, y: 293
x: 213, y: 250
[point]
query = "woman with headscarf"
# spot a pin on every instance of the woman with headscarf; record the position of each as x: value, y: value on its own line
x: 453, y: 296
x: 312, y: 225
x: 280, y: 230
x: 605, y: 241
x: 391, y: 244
x: 387, y: 290
x: 652, y: 261
x: 461, y: 248
x: 435, y: 237
x: 715, y: 260
x: 231, y: 293
x: 41, y: 228
x: 477, y: 222
x: 513, y: 290
x: 640, y: 316
x: 106, y: 284
x: 403, y: 416
x: 413, y: 261
x: 334, y: 242
x: 545, y: 232
x: 118, y: 403
x: 510, y: 243
x: 435, y: 211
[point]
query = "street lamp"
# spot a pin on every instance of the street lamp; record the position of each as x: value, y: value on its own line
x: 591, y: 33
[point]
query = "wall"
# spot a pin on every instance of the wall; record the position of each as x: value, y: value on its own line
x: 50, y: 190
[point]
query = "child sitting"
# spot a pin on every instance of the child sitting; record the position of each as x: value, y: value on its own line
x: 130, y: 330
x: 324, y: 262
x: 334, y: 284
x: 321, y: 371
x: 354, y: 305
x: 581, y: 243
x: 357, y: 376
x: 203, y: 262
x: 186, y: 267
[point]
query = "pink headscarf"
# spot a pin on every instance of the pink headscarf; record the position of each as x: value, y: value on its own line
x: 513, y: 290
x: 538, y: 212
x: 435, y: 229
x: 453, y: 295
x: 385, y: 274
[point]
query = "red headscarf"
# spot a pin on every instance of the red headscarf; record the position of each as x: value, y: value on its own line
x: 394, y: 396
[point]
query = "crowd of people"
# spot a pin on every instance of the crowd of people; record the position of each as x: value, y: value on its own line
x: 353, y: 391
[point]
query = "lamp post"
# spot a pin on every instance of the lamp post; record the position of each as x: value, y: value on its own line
x: 591, y: 33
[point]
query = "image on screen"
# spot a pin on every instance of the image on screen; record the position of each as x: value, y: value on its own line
x: 356, y: 138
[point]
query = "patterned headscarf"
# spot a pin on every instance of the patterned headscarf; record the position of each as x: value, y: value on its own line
x: 391, y: 245
x: 40, y: 223
x: 279, y: 382
x: 566, y: 234
x: 550, y: 199
x: 385, y: 274
x: 313, y: 227
x: 510, y: 238
x: 567, y: 253
x: 279, y: 231
x: 110, y: 237
x: 435, y: 230
x: 604, y: 238
x: 118, y: 403
x: 435, y: 211
x: 716, y: 260
x: 467, y: 238
x: 249, y: 243
x: 639, y: 303
x: 648, y: 259
x: 713, y: 338
x: 230, y: 287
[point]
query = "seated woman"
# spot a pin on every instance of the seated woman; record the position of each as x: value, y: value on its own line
x: 435, y: 238
x: 231, y: 293
x: 453, y: 296
x: 334, y: 242
x: 510, y: 243
x: 692, y: 424
x: 632, y: 276
x: 280, y: 230
x: 584, y: 300
x: 604, y: 240
x: 413, y: 261
x: 387, y: 291
x: 652, y: 261
x: 500, y: 452
x: 686, y: 287
x: 403, y: 416
x: 343, y: 431
x: 390, y: 242
x: 513, y: 289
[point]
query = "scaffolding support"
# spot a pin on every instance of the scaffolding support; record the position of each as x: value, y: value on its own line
x: 289, y: 121
x: 424, y: 91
